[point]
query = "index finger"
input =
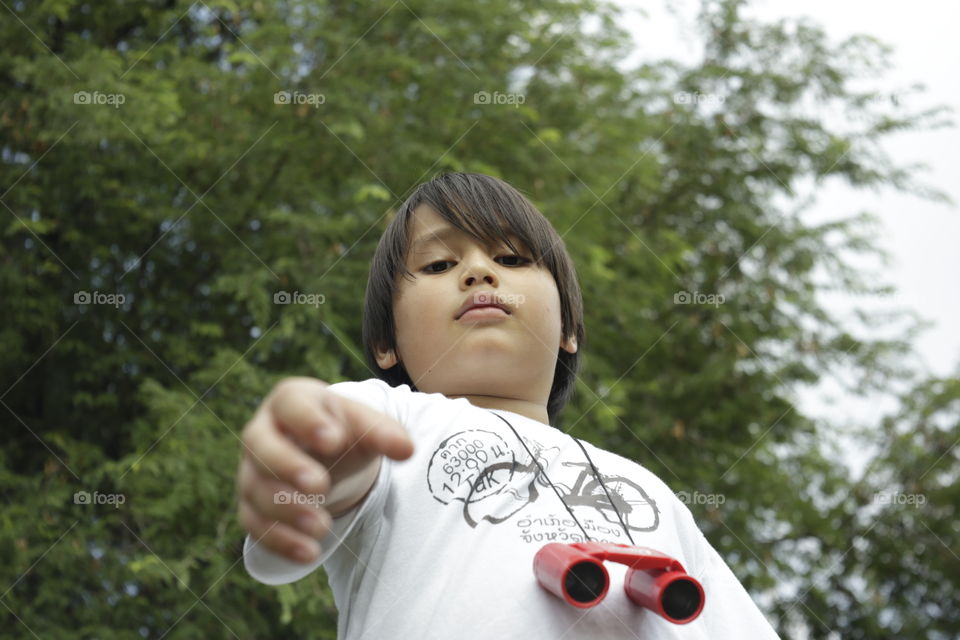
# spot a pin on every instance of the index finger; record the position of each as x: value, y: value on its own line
x: 332, y: 424
x: 276, y: 455
x: 372, y: 430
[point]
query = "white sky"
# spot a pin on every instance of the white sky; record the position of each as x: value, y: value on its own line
x: 922, y: 237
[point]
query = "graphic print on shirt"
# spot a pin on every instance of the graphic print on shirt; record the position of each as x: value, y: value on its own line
x: 493, y: 481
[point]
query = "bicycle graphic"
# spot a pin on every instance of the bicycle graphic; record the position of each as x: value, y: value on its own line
x: 638, y: 510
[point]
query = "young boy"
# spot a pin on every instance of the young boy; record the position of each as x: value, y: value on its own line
x: 441, y: 478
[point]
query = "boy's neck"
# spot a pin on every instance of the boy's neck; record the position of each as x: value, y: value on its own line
x: 531, y: 410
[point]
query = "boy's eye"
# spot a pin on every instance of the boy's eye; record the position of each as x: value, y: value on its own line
x: 520, y: 260
x: 429, y: 267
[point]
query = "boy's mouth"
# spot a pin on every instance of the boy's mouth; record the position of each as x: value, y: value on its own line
x: 479, y: 300
x: 483, y: 311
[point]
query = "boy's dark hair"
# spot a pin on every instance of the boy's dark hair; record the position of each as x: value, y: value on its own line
x: 486, y: 208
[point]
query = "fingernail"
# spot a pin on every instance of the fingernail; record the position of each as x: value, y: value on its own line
x: 328, y: 436
x: 308, y: 524
x: 310, y: 481
x: 307, y: 553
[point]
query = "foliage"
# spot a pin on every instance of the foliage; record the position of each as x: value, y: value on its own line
x: 185, y: 189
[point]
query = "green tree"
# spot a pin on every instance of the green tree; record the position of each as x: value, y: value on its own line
x: 168, y: 167
x: 907, y: 535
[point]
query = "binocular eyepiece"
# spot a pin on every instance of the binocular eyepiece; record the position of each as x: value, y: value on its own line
x: 654, y: 580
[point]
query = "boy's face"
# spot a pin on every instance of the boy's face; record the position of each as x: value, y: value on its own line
x: 497, y: 355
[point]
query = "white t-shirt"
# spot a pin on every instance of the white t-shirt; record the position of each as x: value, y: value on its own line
x: 421, y: 557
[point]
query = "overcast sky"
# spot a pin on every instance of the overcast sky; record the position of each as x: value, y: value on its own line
x: 922, y: 237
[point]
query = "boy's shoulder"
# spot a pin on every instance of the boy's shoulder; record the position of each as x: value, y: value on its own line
x: 617, y: 460
x: 404, y: 403
x: 365, y: 384
x: 374, y: 391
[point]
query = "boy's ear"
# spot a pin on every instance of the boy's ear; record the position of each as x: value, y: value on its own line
x: 386, y: 358
x: 569, y: 344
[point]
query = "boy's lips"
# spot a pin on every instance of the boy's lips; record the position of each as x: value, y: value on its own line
x: 483, y: 314
x: 481, y: 299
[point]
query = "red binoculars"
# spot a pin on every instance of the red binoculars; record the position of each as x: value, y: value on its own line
x: 575, y: 572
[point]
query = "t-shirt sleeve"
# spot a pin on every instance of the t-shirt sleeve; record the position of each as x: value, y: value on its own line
x: 728, y: 610
x: 729, y: 613
x: 270, y: 568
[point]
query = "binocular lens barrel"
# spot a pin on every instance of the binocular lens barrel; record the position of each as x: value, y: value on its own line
x: 586, y: 583
x: 673, y: 595
x: 582, y: 581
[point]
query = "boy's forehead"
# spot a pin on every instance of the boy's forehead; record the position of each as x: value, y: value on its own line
x: 430, y: 227
x: 426, y: 222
